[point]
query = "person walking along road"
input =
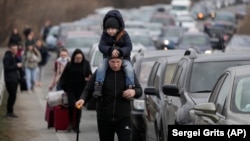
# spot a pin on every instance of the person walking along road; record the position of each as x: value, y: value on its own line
x: 11, y: 66
x: 73, y: 80
x: 113, y: 107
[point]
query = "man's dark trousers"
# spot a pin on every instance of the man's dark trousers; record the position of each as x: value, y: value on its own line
x: 12, y: 91
x: 107, y: 129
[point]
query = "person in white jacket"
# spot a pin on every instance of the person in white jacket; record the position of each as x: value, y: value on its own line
x: 60, y: 64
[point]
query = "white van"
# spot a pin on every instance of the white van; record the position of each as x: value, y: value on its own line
x: 179, y: 7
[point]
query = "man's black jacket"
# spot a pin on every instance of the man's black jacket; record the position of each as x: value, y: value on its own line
x: 112, y: 106
x: 11, y: 71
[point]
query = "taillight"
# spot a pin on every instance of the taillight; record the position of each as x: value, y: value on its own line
x: 200, y: 15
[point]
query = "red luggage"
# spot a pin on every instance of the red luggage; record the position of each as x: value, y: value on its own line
x: 61, y: 119
x: 49, y: 116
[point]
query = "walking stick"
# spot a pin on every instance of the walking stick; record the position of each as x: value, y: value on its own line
x: 77, y: 132
x: 77, y: 135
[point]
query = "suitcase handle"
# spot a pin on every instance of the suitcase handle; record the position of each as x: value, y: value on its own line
x: 64, y: 100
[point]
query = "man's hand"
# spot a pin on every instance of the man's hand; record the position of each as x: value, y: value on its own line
x: 79, y: 103
x: 19, y: 65
x: 129, y: 93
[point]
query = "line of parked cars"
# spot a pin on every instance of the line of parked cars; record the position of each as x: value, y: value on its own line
x: 177, y: 85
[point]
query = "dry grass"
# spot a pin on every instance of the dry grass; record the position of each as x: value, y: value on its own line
x: 244, y: 27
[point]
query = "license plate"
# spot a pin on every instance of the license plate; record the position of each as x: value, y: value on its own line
x: 214, y: 39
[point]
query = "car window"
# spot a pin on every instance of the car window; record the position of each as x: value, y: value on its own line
x: 169, y: 73
x: 177, y: 73
x: 205, y: 74
x: 181, y: 80
x: 172, y: 33
x: 224, y: 17
x: 152, y: 75
x: 194, y: 40
x: 222, y: 94
x: 242, y: 94
x: 216, y: 88
x: 145, y: 71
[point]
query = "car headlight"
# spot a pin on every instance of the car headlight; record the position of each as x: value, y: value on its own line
x: 166, y: 42
x: 212, y: 14
x: 200, y: 15
x: 139, y: 104
x: 208, y: 52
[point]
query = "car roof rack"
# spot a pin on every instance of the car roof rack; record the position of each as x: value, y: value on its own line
x: 192, y: 52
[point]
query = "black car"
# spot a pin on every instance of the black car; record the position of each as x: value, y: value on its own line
x: 224, y: 19
x: 154, y: 117
x: 195, y: 39
x: 218, y: 37
x: 169, y: 37
x: 193, y: 81
x: 142, y: 64
x: 229, y: 102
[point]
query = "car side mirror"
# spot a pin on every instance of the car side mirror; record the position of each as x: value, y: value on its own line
x: 171, y: 90
x: 150, y: 91
x: 204, y: 109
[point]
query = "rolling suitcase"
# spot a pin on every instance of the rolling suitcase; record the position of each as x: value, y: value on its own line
x: 61, y: 119
x: 49, y: 116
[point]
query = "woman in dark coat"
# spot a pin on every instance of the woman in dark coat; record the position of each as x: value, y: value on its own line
x: 15, y: 38
x: 73, y: 80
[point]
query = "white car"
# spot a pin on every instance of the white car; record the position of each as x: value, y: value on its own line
x: 186, y: 21
x: 95, y: 56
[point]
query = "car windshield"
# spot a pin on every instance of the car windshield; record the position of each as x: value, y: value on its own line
x: 163, y: 20
x: 179, y: 7
x: 205, y: 74
x: 194, y: 40
x: 241, y: 94
x: 224, y: 17
x: 80, y: 42
x: 147, y: 41
x: 172, y: 33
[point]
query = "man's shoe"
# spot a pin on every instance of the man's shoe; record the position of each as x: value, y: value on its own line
x: 97, y: 90
x: 12, y: 115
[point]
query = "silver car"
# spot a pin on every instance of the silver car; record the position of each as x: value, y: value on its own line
x: 229, y: 102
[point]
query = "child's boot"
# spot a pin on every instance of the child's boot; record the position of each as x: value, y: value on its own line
x: 97, y: 90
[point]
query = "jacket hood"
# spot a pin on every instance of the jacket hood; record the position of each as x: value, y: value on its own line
x: 8, y: 54
x: 116, y: 14
x: 77, y: 51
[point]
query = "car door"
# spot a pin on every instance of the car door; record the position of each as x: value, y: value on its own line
x: 218, y: 97
x: 173, y: 103
x: 150, y: 101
